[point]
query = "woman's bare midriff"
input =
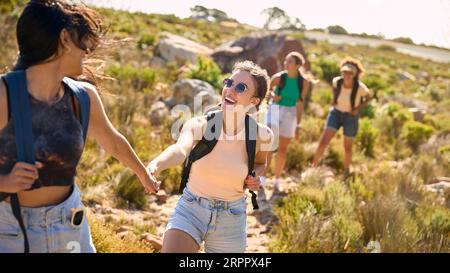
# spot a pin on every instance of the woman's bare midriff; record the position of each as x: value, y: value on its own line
x: 43, y: 197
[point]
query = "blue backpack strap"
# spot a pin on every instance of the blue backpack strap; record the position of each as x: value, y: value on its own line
x: 85, y: 103
x: 21, y: 116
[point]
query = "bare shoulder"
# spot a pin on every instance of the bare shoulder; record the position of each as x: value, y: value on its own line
x: 90, y: 88
x: 364, y: 88
x: 195, y: 126
x: 335, y: 80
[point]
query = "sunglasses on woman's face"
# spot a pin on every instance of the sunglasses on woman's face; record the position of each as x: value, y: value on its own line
x: 240, y: 87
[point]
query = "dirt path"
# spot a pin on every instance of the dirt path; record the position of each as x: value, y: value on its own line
x: 154, y: 219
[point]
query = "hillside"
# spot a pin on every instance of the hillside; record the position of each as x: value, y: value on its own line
x: 401, y: 152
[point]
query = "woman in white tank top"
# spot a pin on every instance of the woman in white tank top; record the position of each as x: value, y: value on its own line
x: 212, y: 209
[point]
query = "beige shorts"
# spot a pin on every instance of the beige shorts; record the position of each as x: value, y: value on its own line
x: 282, y: 120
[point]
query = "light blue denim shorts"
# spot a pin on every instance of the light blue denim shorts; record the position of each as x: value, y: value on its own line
x: 220, y: 225
x: 49, y: 229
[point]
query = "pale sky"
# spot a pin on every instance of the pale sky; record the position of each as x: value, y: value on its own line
x: 425, y: 21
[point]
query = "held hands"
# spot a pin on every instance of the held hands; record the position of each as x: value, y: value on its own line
x: 21, y: 177
x: 252, y: 183
x: 150, y: 182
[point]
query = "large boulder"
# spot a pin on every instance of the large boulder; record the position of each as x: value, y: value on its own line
x: 187, y: 91
x: 267, y: 50
x: 172, y: 47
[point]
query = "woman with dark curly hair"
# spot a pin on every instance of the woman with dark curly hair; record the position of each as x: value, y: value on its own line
x: 350, y: 97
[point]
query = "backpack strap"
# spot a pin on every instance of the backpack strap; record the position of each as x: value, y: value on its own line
x: 354, y: 93
x: 300, y: 85
x: 21, y: 115
x: 204, y: 146
x: 338, y: 88
x: 251, y: 129
x: 84, y: 103
x: 282, y: 84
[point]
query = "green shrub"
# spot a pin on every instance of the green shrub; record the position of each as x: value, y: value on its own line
x: 367, y: 137
x: 9, y: 5
x: 445, y: 150
x: 336, y: 29
x: 368, y: 112
x: 404, y: 40
x: 170, y: 179
x: 393, y: 118
x: 296, y: 158
x: 374, y: 82
x: 206, y: 70
x: 434, y: 223
x: 386, y: 47
x: 130, y: 190
x: 146, y: 40
x: 139, y: 78
x: 329, y: 69
x: 386, y: 219
x: 415, y: 133
x: 334, y: 157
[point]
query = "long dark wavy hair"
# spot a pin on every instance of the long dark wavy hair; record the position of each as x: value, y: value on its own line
x: 40, y: 25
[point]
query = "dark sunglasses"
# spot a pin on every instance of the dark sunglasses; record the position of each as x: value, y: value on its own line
x: 240, y: 87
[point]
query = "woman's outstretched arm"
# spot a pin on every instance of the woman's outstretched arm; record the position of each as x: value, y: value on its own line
x: 176, y: 153
x: 114, y: 143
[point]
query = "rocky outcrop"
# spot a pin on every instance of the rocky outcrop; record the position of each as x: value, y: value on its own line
x: 179, y: 49
x: 267, y: 50
x: 187, y: 91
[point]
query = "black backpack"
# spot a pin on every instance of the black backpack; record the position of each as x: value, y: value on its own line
x: 283, y: 79
x: 209, y: 140
x: 337, y: 91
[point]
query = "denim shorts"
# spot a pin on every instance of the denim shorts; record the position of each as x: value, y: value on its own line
x: 220, y: 225
x: 337, y: 119
x: 49, y: 229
